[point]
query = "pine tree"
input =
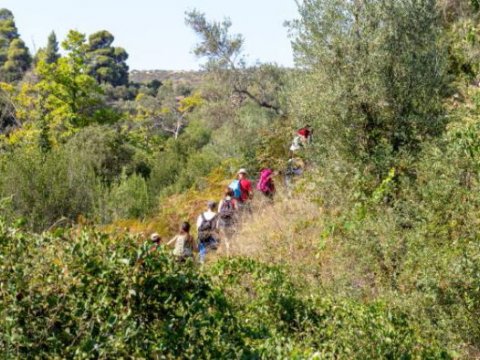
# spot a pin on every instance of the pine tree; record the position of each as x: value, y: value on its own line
x: 8, y: 32
x: 71, y: 97
x: 15, y: 58
x: 51, y: 51
x: 107, y: 63
x: 18, y: 61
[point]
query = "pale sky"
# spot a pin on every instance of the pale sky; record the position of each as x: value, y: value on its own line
x: 154, y: 32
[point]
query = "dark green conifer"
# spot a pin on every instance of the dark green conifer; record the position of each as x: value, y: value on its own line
x: 15, y: 58
x: 106, y: 62
x: 51, y: 51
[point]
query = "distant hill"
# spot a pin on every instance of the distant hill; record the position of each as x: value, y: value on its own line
x: 191, y: 77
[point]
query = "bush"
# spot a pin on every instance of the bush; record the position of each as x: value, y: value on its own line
x: 198, y: 166
x: 361, y: 107
x: 127, y: 199
x: 105, y: 149
x: 44, y: 188
x: 81, y: 178
x: 83, y: 294
x: 91, y: 296
x: 284, y: 322
x: 166, y: 167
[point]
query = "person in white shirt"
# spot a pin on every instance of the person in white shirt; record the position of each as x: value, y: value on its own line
x: 207, y: 230
x: 208, y: 215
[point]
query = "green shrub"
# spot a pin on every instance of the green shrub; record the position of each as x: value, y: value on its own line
x: 83, y: 294
x: 128, y: 198
x: 285, y: 321
x: 198, y: 166
x: 44, y: 188
x: 93, y: 296
x: 166, y: 167
x: 105, y: 149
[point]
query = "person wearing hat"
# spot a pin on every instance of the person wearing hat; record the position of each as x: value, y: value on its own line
x: 246, y: 191
x: 207, y: 230
x: 245, y: 186
x: 156, y: 240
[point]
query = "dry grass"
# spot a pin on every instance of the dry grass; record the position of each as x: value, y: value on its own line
x: 292, y: 231
x: 288, y: 232
x: 284, y: 229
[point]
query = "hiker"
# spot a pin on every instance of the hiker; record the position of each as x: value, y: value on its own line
x: 207, y: 230
x: 242, y: 189
x: 226, y: 217
x: 306, y: 133
x: 295, y: 168
x: 302, y: 138
x: 265, y: 183
x: 184, y: 243
x: 156, y: 240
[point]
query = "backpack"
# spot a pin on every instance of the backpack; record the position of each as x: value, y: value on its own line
x: 207, y: 225
x: 264, y: 183
x: 237, y: 189
x: 227, y: 210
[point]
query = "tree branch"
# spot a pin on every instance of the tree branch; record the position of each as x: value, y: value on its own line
x: 259, y: 102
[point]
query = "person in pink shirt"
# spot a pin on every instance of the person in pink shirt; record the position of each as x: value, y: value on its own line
x: 265, y: 183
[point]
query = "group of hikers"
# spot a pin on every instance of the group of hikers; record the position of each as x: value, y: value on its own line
x: 219, y: 222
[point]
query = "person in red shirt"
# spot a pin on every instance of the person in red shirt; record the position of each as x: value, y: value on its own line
x: 245, y: 185
x: 301, y: 139
x: 246, y: 190
x: 305, y: 133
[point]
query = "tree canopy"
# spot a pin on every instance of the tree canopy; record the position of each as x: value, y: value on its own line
x: 15, y: 58
x: 106, y: 63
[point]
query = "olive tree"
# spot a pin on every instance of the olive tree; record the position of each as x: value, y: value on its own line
x: 372, y: 74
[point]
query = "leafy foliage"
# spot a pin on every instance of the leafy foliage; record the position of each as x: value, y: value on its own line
x: 382, y: 64
x: 372, y: 253
x: 84, y: 294
x: 95, y: 296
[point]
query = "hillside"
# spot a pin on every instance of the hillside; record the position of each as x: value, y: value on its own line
x: 362, y: 243
x: 193, y: 78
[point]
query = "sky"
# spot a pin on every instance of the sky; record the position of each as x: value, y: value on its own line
x: 154, y: 32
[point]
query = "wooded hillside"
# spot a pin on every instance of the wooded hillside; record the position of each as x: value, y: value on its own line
x: 368, y: 248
